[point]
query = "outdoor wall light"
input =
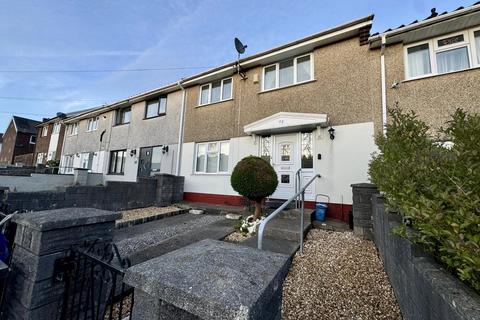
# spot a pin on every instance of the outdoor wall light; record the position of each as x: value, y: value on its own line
x: 165, y: 149
x: 331, y: 131
x: 133, y: 152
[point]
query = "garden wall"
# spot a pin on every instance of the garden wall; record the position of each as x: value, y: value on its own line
x: 424, y: 289
x: 114, y: 196
x: 36, y: 182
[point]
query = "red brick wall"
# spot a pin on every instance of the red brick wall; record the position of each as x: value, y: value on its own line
x: 42, y: 143
x: 6, y: 154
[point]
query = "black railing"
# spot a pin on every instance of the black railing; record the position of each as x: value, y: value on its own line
x: 94, y: 287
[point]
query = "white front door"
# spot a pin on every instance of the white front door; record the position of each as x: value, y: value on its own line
x: 288, y: 155
x: 286, y: 163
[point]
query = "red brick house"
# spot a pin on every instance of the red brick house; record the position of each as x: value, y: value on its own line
x: 19, y: 139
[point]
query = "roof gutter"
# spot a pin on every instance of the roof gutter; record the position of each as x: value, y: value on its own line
x: 424, y: 23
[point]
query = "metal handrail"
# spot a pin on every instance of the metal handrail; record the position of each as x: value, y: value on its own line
x: 298, y: 182
x: 274, y: 213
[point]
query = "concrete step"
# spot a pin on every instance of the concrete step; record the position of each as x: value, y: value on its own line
x: 288, y: 229
x: 274, y: 245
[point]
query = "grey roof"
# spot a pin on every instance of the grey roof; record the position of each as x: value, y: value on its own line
x: 68, y: 115
x: 433, y: 14
x: 25, y: 125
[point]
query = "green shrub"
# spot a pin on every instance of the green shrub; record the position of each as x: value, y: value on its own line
x: 255, y: 179
x: 435, y: 187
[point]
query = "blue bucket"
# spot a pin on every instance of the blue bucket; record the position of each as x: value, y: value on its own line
x: 320, y: 211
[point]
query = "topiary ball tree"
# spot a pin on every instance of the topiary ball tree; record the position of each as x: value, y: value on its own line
x: 254, y: 178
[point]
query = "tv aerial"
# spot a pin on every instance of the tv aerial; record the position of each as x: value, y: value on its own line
x: 240, y: 47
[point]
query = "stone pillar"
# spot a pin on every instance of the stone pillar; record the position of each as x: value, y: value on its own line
x: 80, y: 176
x: 210, y: 280
x: 362, y: 209
x: 164, y: 192
x: 42, y: 238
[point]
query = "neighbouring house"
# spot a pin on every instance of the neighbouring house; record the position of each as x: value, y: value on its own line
x: 50, y: 137
x: 432, y: 66
x: 19, y: 140
x: 1, y: 141
x: 136, y: 137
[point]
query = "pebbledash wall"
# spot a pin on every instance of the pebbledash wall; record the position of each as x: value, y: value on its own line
x: 140, y: 132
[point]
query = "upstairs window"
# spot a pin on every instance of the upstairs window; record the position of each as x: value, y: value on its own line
x: 216, y: 91
x: 56, y: 128
x: 33, y: 139
x: 44, y: 131
x: 288, y: 72
x: 92, y: 124
x: 443, y: 55
x: 73, y: 129
x: 123, y: 115
x: 155, y: 108
x: 212, y: 157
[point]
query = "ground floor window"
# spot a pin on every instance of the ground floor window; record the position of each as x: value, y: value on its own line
x: 307, y: 150
x: 117, y: 162
x: 68, y: 164
x: 212, y: 157
x: 40, y: 157
x: 86, y: 160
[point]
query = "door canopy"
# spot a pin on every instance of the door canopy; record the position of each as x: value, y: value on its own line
x: 284, y: 122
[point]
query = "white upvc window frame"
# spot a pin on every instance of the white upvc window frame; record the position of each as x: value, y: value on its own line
x: 222, y: 98
x: 45, y: 131
x: 468, y: 42
x: 92, y: 123
x: 277, y: 72
x: 73, y: 129
x: 56, y: 128
x: 218, y: 172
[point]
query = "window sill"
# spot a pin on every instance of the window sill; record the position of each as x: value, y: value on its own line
x: 91, y: 130
x: 289, y: 86
x: 160, y: 115
x: 120, y: 124
x: 440, y: 74
x: 212, y: 103
x: 211, y: 174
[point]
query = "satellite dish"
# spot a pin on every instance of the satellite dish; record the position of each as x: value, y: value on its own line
x: 239, y: 46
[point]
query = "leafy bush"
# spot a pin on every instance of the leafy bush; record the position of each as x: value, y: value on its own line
x: 255, y: 179
x: 435, y: 185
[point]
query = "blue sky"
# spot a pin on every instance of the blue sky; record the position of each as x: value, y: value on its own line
x: 106, y: 35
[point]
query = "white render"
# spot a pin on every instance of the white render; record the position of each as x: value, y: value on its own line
x: 344, y: 161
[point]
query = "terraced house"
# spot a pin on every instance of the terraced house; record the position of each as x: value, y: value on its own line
x: 309, y: 107
x: 432, y: 66
x: 132, y: 138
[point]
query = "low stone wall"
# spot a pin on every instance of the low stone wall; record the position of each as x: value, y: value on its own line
x: 17, y: 171
x: 35, y: 182
x: 115, y: 196
x: 424, y: 289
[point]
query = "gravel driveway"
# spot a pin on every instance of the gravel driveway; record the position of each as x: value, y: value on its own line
x: 338, y: 276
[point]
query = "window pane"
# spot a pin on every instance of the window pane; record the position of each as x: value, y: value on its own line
x: 200, y: 167
x: 216, y: 90
x: 126, y: 115
x: 307, y: 152
x: 224, y: 153
x: 285, y: 152
x: 452, y: 60
x: 204, y: 95
x: 124, y: 156
x: 477, y: 44
x: 227, y: 89
x: 156, y: 158
x: 212, y: 160
x: 450, y: 40
x: 113, y: 159
x: 118, y: 167
x: 269, y: 81
x: 162, y: 109
x: 286, y: 73
x: 265, y: 148
x: 303, y: 69
x: 419, y: 61
x: 152, y: 109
